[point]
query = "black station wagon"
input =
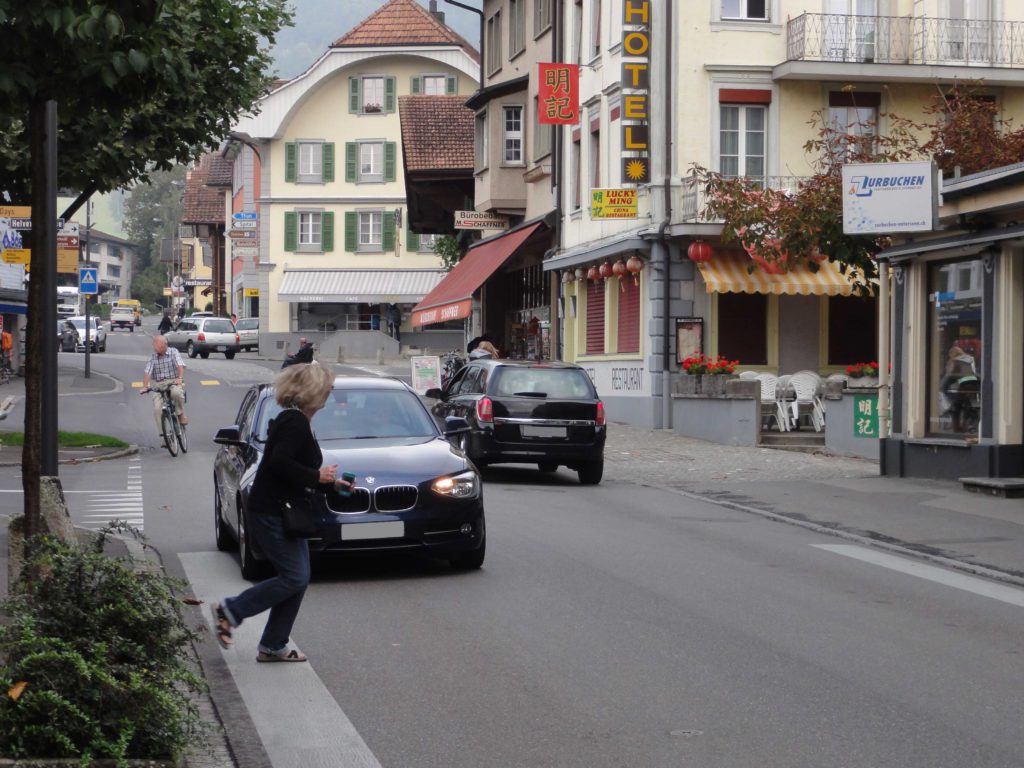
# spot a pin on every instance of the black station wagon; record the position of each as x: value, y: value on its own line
x: 527, y: 412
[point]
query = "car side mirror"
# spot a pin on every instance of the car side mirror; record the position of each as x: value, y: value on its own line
x: 434, y: 393
x: 229, y: 436
x: 455, y: 425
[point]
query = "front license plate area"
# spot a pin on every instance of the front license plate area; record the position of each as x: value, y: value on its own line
x: 389, y: 529
x: 545, y: 432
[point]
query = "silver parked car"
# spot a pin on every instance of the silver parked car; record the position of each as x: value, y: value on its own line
x: 203, y: 335
x: 97, y: 335
x: 249, y: 332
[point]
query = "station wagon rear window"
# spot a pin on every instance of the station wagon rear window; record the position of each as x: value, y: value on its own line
x: 542, y: 382
x: 219, y: 326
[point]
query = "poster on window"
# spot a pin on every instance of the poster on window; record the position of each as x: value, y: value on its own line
x: 689, y: 337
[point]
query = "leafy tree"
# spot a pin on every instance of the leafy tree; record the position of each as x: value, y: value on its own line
x: 447, y: 247
x: 778, y: 228
x: 152, y: 214
x: 139, y: 85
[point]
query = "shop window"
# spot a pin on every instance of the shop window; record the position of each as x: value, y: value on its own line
x: 955, y: 309
x: 628, y: 329
x: 852, y: 330
x: 740, y: 315
x: 595, y: 318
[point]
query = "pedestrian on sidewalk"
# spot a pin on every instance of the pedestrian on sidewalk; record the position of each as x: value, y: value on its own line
x: 304, y: 354
x: 395, y: 322
x: 291, y: 464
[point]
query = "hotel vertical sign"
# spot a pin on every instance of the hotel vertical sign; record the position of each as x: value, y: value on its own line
x: 636, y: 78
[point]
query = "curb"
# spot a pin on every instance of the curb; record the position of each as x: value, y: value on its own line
x: 129, y: 451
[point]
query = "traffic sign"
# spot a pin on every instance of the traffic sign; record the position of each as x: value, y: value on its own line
x: 244, y: 216
x: 17, y: 255
x: 87, y: 280
x: 245, y: 234
x: 244, y: 224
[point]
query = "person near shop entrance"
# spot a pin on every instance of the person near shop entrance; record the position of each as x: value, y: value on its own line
x: 394, y: 321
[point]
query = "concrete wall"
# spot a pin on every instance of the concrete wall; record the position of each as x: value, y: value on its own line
x: 722, y: 420
x: 839, y: 437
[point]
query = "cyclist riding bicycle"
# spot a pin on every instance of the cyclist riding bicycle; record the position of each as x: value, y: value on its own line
x: 165, y: 370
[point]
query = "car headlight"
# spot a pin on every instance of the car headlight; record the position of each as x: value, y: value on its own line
x: 465, y: 485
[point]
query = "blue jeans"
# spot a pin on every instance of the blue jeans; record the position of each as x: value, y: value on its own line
x: 283, y: 593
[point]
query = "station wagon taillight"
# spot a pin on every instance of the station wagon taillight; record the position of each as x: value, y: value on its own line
x: 201, y: 337
x: 237, y: 338
x: 599, y: 419
x: 485, y: 410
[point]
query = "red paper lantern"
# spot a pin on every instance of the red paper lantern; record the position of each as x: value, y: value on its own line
x: 699, y: 251
x: 606, y: 270
x: 580, y: 274
x: 593, y: 275
x: 619, y: 268
x: 635, y: 264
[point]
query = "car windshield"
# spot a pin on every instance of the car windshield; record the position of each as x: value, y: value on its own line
x: 218, y: 326
x: 542, y: 382
x: 363, y: 414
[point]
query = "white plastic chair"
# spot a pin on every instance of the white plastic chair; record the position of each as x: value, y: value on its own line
x: 749, y: 374
x: 807, y: 401
x: 771, y: 405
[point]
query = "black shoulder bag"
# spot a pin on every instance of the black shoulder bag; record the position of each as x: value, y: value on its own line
x: 298, y: 516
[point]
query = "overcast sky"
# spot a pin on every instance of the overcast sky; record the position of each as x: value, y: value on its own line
x: 318, y: 23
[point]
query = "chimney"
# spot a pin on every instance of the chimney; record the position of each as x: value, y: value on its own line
x: 439, y: 15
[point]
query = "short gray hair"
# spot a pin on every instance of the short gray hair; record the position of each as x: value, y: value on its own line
x: 303, y: 386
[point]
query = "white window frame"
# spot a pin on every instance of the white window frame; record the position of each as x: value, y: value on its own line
x: 364, y: 101
x: 516, y: 27
x: 596, y: 11
x: 493, y: 52
x: 309, y: 230
x: 541, y: 16
x: 480, y: 140
x: 742, y: 154
x: 370, y: 224
x: 512, y: 139
x: 439, y: 85
x: 742, y: 12
x: 371, y: 176
x: 309, y: 162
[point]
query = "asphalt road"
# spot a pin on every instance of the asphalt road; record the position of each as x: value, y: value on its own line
x: 617, y: 625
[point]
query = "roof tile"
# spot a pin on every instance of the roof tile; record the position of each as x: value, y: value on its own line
x: 403, y: 22
x: 437, y: 132
x: 202, y: 204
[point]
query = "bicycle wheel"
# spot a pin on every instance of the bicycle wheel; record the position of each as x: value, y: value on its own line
x: 167, y: 428
x: 179, y: 430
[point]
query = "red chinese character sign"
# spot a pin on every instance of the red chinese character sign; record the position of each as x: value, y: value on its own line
x: 558, y: 94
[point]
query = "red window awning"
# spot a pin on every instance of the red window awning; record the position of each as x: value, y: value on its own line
x: 452, y: 298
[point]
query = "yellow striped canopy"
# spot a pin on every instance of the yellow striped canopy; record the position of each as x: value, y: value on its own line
x: 728, y: 272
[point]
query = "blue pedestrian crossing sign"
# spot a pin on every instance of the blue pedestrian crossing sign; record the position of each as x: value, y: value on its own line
x: 87, y: 282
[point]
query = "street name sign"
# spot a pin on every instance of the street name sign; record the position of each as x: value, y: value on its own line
x: 244, y: 224
x: 244, y: 216
x: 244, y: 234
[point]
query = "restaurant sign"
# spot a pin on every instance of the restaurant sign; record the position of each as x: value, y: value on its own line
x: 558, y: 94
x: 881, y: 198
x: 636, y: 49
x: 613, y: 204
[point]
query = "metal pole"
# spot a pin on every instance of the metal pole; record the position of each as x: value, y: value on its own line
x: 85, y: 296
x: 883, y: 349
x: 44, y: 222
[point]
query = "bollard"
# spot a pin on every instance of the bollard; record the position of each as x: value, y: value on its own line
x: 341, y: 355
x: 380, y: 355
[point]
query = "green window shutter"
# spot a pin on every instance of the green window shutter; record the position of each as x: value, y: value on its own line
x: 351, y: 159
x: 351, y: 242
x: 291, y: 161
x: 451, y: 85
x: 390, y: 149
x: 291, y: 231
x: 389, y: 94
x: 327, y: 231
x: 327, y: 161
x: 414, y: 86
x: 388, y: 234
x: 353, y: 95
x: 412, y: 241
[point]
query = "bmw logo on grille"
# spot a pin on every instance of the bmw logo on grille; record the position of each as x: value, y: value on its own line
x: 370, y: 480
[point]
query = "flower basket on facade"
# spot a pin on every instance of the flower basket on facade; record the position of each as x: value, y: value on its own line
x: 862, y: 376
x: 704, y: 375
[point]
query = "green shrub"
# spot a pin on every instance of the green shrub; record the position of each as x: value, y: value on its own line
x: 106, y: 654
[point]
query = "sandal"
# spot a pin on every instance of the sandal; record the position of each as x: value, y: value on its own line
x: 221, y: 626
x: 283, y: 655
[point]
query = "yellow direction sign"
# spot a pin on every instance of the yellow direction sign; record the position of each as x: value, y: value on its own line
x: 613, y: 204
x: 252, y: 291
x: 17, y: 255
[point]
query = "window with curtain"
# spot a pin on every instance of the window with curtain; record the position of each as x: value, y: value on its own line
x: 741, y: 139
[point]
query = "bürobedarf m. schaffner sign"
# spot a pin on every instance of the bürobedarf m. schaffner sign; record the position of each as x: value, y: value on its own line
x: 883, y: 198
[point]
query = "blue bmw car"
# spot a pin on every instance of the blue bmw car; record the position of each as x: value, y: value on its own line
x: 414, y: 491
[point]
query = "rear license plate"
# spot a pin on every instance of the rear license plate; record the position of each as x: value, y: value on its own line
x: 542, y: 431
x: 221, y: 348
x: 390, y: 529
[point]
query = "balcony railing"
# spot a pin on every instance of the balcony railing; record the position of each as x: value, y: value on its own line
x: 693, y: 198
x: 905, y: 40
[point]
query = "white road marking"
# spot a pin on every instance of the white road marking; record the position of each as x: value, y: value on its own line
x: 323, y: 735
x: 972, y: 584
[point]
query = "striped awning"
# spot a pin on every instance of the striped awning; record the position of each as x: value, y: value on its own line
x: 729, y: 272
x: 358, y: 286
